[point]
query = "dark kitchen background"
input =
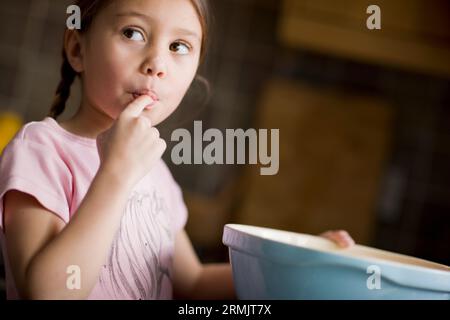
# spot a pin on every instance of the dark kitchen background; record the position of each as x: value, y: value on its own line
x: 364, y: 116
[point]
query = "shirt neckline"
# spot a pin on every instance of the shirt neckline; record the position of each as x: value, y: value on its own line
x: 72, y: 136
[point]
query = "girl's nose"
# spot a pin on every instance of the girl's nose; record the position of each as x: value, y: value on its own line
x: 155, y: 66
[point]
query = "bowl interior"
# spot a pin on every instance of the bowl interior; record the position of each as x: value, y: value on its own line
x: 324, y: 245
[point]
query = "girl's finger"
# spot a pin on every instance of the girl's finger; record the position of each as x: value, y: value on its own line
x: 136, y: 107
x: 341, y: 238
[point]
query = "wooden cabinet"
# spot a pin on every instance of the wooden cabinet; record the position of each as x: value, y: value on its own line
x: 415, y: 34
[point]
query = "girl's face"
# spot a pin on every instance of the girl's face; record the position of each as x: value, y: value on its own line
x: 137, y: 47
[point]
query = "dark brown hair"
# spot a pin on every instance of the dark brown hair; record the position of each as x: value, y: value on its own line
x: 89, y: 10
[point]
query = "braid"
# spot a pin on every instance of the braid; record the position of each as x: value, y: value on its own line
x: 63, y: 91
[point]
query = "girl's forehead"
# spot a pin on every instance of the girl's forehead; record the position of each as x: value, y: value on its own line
x: 175, y: 13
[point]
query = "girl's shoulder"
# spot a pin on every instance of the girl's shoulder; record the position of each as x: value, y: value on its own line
x: 35, y: 162
x: 48, y: 135
x: 35, y: 131
x: 42, y: 149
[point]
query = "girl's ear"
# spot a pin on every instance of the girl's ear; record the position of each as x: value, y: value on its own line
x: 73, y: 49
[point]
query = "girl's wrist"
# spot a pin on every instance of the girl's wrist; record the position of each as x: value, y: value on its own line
x: 115, y: 177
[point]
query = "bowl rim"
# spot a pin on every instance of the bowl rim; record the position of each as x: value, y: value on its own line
x: 439, y: 268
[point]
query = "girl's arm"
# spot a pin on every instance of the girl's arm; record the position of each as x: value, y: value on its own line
x: 40, y: 249
x: 193, y: 280
x: 215, y: 283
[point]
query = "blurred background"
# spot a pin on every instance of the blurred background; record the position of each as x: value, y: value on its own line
x: 364, y: 116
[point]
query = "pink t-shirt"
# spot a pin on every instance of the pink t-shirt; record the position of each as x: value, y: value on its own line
x: 57, y: 167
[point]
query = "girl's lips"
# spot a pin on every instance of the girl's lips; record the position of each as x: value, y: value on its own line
x: 152, y: 96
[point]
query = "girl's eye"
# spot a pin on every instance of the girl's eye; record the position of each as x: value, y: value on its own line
x: 133, y: 34
x: 180, y: 48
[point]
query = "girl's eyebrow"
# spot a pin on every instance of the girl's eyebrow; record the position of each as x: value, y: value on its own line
x: 187, y: 32
x: 183, y: 31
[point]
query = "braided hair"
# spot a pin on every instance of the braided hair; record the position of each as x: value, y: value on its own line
x: 63, y: 90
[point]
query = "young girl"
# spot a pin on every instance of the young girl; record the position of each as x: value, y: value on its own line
x: 91, y: 197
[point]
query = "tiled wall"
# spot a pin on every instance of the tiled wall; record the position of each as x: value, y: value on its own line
x: 31, y: 40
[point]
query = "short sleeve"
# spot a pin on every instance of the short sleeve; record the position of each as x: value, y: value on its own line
x: 37, y: 170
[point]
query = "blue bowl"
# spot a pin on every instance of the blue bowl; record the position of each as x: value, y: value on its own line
x: 275, y: 264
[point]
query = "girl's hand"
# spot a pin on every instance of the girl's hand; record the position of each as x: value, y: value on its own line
x: 340, y: 237
x: 131, y: 146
